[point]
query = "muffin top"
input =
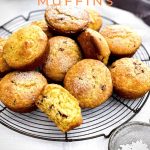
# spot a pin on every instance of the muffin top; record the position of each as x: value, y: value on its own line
x: 122, y: 40
x: 90, y: 82
x: 129, y: 74
x: 3, y: 65
x: 25, y: 46
x: 63, y: 54
x: 67, y: 20
x: 20, y: 90
x: 95, y: 20
x: 94, y: 45
x: 43, y: 25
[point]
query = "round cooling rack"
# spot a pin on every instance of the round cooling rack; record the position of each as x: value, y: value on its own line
x: 100, y: 121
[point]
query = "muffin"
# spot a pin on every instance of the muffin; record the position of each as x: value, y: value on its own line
x: 43, y: 25
x: 90, y: 82
x: 66, y: 20
x: 131, y: 78
x: 3, y: 65
x: 63, y: 54
x: 20, y: 90
x: 95, y: 21
x: 26, y: 48
x: 94, y: 45
x: 61, y: 107
x: 123, y: 41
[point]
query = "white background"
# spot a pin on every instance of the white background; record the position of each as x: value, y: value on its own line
x: 10, y: 140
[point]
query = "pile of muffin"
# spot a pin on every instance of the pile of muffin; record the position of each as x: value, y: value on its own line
x: 62, y: 63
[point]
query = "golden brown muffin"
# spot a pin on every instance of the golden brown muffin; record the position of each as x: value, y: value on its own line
x: 3, y: 65
x: 131, y: 78
x: 63, y: 54
x: 95, y: 21
x: 26, y: 48
x: 66, y: 20
x: 94, y: 45
x: 61, y: 107
x: 122, y: 40
x: 43, y: 25
x: 90, y: 82
x: 20, y: 90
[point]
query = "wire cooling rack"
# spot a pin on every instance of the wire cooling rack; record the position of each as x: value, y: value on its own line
x: 100, y: 121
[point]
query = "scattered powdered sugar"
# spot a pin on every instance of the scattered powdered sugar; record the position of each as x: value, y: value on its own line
x: 139, y: 145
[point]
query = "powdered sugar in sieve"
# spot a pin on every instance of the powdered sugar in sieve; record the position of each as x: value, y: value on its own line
x: 138, y: 145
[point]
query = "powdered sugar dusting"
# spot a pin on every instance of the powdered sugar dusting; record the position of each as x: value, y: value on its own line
x: 139, y: 145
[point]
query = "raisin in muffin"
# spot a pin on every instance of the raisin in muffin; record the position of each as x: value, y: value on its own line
x: 63, y: 54
x: 131, y: 78
x: 95, y: 21
x: 66, y: 20
x: 43, y: 25
x: 94, y: 45
x: 3, y: 65
x: 26, y: 48
x: 20, y: 90
x: 122, y: 40
x: 61, y: 107
x: 90, y: 82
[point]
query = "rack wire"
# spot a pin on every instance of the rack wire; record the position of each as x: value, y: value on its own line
x: 100, y: 121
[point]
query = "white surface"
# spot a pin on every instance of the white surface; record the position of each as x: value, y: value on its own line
x: 10, y: 140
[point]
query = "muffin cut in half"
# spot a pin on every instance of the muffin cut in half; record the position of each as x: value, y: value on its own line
x: 60, y: 107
